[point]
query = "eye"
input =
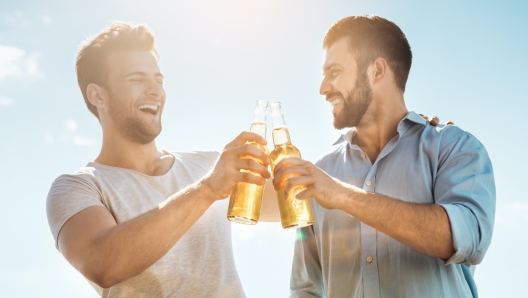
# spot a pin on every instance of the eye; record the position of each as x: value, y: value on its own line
x: 334, y: 72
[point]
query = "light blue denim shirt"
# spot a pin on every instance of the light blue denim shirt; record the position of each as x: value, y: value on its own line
x: 339, y: 256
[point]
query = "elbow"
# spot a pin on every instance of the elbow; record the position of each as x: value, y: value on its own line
x: 102, y: 277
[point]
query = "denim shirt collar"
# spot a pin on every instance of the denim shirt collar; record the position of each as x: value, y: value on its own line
x: 407, y: 122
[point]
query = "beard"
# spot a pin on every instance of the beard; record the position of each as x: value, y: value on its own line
x: 355, y: 105
x: 132, y: 127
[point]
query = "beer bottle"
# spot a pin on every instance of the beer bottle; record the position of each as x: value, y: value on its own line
x: 246, y: 198
x: 294, y: 213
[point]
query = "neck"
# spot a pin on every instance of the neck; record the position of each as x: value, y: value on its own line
x: 379, y: 124
x: 117, y: 151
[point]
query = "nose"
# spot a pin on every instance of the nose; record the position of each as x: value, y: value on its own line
x: 155, y: 89
x: 325, y: 87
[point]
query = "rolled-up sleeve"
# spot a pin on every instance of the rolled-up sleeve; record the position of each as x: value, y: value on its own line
x: 465, y: 188
x: 306, y: 279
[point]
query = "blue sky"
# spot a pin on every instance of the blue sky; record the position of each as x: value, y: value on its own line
x: 218, y: 57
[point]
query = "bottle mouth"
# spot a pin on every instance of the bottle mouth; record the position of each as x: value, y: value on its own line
x: 275, y: 106
x: 263, y: 104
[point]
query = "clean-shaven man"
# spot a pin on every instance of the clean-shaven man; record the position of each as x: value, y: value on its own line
x: 401, y: 208
x: 139, y: 221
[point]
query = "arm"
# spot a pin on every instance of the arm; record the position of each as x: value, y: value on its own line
x: 457, y: 228
x: 423, y: 227
x: 107, y: 253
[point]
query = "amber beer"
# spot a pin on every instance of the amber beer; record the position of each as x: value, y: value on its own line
x: 246, y: 198
x: 294, y: 213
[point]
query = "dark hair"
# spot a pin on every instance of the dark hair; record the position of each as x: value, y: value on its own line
x: 91, y: 59
x: 372, y: 37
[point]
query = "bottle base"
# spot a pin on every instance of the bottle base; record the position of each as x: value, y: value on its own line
x: 297, y: 225
x: 242, y: 220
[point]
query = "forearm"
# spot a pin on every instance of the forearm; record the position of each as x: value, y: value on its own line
x: 129, y: 248
x: 423, y: 227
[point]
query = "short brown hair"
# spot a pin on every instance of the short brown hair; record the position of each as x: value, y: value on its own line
x: 91, y: 59
x: 372, y: 37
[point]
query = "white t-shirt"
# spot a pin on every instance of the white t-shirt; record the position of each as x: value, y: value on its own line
x: 201, y: 263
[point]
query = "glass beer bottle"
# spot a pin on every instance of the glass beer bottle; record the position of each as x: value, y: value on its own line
x: 294, y: 213
x: 246, y: 198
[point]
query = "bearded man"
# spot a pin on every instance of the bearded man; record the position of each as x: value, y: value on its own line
x: 401, y: 208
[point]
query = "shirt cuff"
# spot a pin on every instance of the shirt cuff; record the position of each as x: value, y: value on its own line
x: 465, y: 233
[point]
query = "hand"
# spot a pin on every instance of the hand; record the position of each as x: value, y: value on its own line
x: 435, y: 120
x: 292, y: 172
x: 236, y: 157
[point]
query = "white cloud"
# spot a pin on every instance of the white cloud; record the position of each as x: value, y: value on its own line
x: 71, y: 125
x: 46, y: 19
x: 81, y: 141
x: 4, y: 101
x: 15, y: 62
x: 69, y: 136
x: 17, y: 18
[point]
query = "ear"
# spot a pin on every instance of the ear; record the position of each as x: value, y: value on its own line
x: 378, y: 70
x: 96, y: 95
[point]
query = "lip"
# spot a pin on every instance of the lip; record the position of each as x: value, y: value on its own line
x: 150, y: 108
x: 335, y: 101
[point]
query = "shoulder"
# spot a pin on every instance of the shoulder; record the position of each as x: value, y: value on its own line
x: 83, y: 177
x: 82, y: 183
x: 456, y: 145
x: 451, y: 136
x: 71, y: 193
x: 201, y: 159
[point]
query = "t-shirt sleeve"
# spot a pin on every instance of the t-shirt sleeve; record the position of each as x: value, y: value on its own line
x: 465, y: 188
x: 68, y: 195
x: 210, y: 157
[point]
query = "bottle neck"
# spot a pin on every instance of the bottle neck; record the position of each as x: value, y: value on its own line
x: 281, y: 136
x: 259, y: 119
x: 280, y: 133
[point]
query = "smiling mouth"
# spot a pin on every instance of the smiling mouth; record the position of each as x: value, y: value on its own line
x: 151, y: 109
x: 335, y: 101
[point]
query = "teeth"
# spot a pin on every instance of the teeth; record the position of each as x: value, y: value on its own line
x: 151, y: 107
x: 335, y: 101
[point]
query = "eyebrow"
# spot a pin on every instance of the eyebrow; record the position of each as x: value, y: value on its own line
x: 326, y: 68
x: 143, y: 74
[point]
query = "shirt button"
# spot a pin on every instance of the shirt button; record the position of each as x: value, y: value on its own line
x: 363, y: 156
x: 369, y: 259
x: 368, y: 183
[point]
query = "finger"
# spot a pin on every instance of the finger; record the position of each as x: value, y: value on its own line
x: 450, y: 123
x: 253, y: 166
x: 247, y: 136
x: 245, y: 151
x: 296, y: 184
x: 249, y: 151
x: 288, y: 162
x: 249, y: 178
x: 424, y: 116
x: 434, y: 121
x: 305, y: 194
x: 283, y: 175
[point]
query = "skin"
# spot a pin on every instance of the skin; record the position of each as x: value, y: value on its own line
x: 107, y: 252
x: 423, y: 227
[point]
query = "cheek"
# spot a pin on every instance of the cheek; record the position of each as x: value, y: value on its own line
x: 346, y: 85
